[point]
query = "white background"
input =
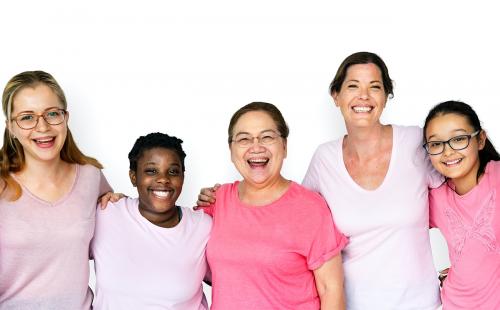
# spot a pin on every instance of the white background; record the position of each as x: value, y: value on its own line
x: 183, y: 67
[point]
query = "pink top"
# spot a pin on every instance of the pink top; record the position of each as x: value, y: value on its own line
x: 141, y: 266
x: 471, y: 226
x: 44, y: 247
x: 264, y: 257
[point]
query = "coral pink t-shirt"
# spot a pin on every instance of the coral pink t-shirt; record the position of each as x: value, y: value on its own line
x: 263, y: 257
x: 471, y: 226
x: 44, y: 247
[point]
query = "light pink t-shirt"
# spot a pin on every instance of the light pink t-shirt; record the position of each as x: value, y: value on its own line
x: 44, y: 247
x: 264, y: 257
x: 388, y: 261
x: 141, y: 266
x: 471, y: 226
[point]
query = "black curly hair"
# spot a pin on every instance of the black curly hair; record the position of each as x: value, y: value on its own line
x: 155, y: 140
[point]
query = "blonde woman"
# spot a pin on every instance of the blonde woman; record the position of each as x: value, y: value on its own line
x: 49, y: 190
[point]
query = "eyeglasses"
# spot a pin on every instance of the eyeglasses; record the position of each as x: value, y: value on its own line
x: 30, y: 120
x: 266, y: 138
x: 456, y: 143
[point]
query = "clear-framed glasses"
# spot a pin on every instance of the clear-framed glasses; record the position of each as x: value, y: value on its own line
x: 265, y: 138
x: 456, y: 143
x: 53, y: 116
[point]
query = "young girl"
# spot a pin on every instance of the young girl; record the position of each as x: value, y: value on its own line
x: 466, y: 208
x: 148, y: 252
x: 49, y: 190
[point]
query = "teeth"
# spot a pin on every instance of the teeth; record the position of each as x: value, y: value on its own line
x: 162, y: 194
x: 362, y: 109
x: 44, y: 140
x: 456, y: 161
x: 259, y: 160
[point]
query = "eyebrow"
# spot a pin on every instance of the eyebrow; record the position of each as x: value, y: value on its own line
x: 33, y: 112
x: 455, y: 130
x: 371, y: 82
x: 247, y: 133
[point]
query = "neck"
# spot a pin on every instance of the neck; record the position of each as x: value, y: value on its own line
x: 262, y: 194
x: 465, y: 184
x: 364, y: 142
x: 166, y: 219
x: 37, y: 169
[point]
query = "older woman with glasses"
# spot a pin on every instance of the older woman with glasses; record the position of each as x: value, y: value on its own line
x: 375, y: 180
x: 273, y: 244
x: 49, y: 190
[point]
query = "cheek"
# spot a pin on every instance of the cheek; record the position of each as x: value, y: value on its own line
x: 435, y: 160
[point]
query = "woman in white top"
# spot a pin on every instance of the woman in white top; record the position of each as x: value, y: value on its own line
x: 375, y: 180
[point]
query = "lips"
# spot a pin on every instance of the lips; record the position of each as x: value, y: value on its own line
x: 162, y: 193
x: 362, y: 109
x: 45, y: 142
x: 258, y: 162
x: 451, y: 163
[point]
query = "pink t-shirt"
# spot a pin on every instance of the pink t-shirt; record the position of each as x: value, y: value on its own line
x: 44, y: 247
x: 264, y: 257
x: 142, y: 266
x: 471, y: 226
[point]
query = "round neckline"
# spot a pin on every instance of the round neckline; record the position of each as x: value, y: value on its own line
x: 138, y: 214
x: 253, y: 207
x: 46, y: 202
x: 340, y: 158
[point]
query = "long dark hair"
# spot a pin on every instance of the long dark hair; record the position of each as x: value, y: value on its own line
x: 463, y: 109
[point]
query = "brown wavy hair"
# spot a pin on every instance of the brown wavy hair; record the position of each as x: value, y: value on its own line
x: 12, y: 153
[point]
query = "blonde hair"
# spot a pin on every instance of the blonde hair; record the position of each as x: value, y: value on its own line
x: 12, y: 153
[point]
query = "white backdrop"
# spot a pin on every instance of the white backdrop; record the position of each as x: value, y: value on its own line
x: 183, y: 67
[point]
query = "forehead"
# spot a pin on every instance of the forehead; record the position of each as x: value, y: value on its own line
x: 364, y: 71
x: 254, y: 122
x: 35, y: 98
x: 159, y: 155
x: 448, y: 125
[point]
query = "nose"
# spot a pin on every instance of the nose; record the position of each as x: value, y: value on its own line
x: 163, y: 178
x: 256, y: 145
x: 363, y: 93
x: 447, y: 149
x: 41, y: 124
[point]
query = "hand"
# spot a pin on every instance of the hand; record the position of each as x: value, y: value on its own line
x: 109, y: 196
x: 442, y: 276
x: 207, y: 196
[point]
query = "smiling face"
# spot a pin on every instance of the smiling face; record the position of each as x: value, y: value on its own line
x: 260, y: 165
x: 159, y: 179
x: 44, y: 142
x: 459, y: 165
x: 362, y: 97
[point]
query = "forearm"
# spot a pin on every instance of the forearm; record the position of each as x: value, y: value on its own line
x: 331, y: 298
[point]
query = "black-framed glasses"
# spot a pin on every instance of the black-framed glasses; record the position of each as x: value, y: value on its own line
x: 265, y: 138
x: 456, y: 143
x: 53, y: 116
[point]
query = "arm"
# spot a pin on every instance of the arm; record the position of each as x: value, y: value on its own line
x: 330, y: 284
x: 107, y: 197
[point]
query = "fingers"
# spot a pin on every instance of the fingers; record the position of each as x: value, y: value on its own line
x: 207, y: 196
x: 110, y: 196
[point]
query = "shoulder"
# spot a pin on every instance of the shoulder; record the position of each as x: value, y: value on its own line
x: 122, y: 206
x: 493, y: 167
x: 198, y: 218
x: 88, y: 171
x: 412, y: 133
x: 305, y: 197
x: 330, y: 146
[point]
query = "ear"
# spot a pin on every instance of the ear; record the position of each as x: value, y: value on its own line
x: 132, y: 177
x: 67, y: 117
x: 482, y: 139
x: 334, y: 96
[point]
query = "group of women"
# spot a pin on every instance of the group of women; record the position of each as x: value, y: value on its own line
x: 271, y: 243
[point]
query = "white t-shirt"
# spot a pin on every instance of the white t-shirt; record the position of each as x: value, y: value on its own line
x: 143, y: 266
x: 387, y: 262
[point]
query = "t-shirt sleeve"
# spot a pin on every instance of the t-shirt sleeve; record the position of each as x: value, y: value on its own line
x: 104, y: 186
x: 422, y: 160
x: 327, y: 240
x: 433, y: 204
x: 311, y: 178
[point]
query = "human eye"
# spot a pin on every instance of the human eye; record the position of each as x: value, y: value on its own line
x: 433, y: 145
x: 243, y: 140
x: 174, y: 171
x: 26, y: 117
x: 377, y: 87
x: 267, y: 138
x: 459, y: 139
x: 150, y: 171
x: 352, y: 86
x: 53, y: 114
